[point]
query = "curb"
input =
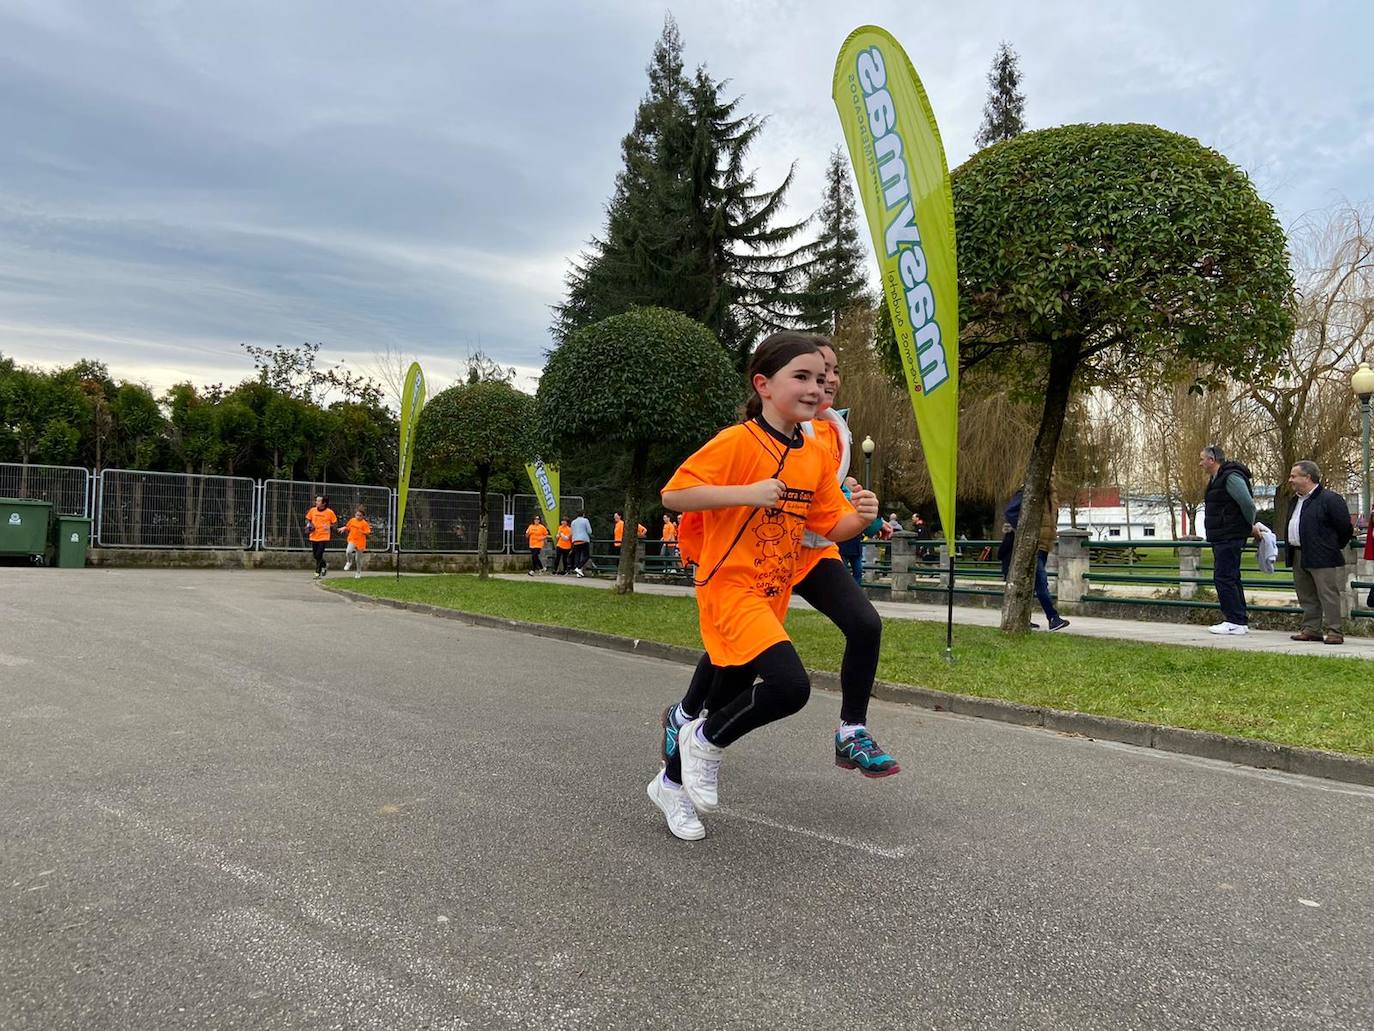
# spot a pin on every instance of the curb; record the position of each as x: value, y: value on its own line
x: 1240, y: 751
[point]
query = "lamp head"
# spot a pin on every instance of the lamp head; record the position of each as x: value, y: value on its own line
x: 1362, y: 382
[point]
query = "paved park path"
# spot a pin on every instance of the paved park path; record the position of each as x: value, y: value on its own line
x: 1186, y: 634
x: 231, y: 800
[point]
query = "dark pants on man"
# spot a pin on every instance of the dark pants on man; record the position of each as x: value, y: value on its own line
x: 1226, y: 577
x: 581, y: 552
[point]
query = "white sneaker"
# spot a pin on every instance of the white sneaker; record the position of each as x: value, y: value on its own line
x: 347, y: 567
x: 700, y: 766
x: 357, y: 576
x: 578, y: 572
x: 1220, y: 628
x: 683, y: 821
x: 1236, y: 628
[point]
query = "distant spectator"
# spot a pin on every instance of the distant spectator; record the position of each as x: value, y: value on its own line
x: 1228, y: 521
x: 669, y: 537
x: 1049, y: 528
x: 581, y: 542
x: 1318, y: 531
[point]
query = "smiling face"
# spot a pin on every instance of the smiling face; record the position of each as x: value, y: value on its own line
x: 1301, y: 483
x: 832, y: 378
x: 793, y: 394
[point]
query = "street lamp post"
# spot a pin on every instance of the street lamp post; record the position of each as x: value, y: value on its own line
x: 869, y: 447
x: 1362, y: 382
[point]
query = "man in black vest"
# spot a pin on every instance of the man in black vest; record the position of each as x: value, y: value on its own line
x: 1319, y: 528
x: 1229, y: 520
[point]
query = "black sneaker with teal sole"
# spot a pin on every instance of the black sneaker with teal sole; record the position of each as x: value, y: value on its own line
x: 668, y: 742
x: 862, y: 753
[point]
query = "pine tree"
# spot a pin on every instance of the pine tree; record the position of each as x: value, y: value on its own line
x: 835, y: 282
x: 688, y: 227
x: 1004, y: 115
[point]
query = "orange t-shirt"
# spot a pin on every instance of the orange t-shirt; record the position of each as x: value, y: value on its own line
x: 828, y: 436
x: 669, y: 533
x: 320, y: 522
x: 358, y: 529
x: 742, y: 605
x: 536, y: 534
x: 564, y: 538
x: 641, y: 530
x: 619, y: 530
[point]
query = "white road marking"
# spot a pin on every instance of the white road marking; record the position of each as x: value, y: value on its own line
x: 858, y: 846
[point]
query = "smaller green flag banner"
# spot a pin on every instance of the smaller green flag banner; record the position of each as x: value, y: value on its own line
x: 412, y: 401
x: 544, y: 479
x: 899, y: 167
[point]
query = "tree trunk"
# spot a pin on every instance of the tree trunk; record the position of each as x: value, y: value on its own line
x: 629, y: 547
x: 483, y: 562
x: 1064, y: 357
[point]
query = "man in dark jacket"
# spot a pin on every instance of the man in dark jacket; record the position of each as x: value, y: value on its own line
x: 1229, y: 520
x: 1318, y: 531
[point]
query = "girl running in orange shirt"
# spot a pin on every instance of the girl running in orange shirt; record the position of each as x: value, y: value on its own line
x: 825, y: 585
x: 759, y: 485
x: 358, y: 530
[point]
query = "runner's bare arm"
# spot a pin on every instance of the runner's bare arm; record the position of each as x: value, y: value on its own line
x: 762, y: 494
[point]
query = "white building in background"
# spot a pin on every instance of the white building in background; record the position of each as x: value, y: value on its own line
x: 1108, y: 514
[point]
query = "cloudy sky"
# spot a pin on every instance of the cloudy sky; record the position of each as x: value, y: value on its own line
x: 177, y: 178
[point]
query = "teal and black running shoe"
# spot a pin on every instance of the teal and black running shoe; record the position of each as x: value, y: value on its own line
x: 669, y: 740
x: 864, y: 754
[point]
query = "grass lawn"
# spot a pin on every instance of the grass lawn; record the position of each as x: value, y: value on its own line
x: 1315, y: 701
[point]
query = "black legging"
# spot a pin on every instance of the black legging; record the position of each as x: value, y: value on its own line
x: 535, y: 563
x: 738, y: 704
x: 318, y: 548
x: 562, y: 559
x: 830, y: 590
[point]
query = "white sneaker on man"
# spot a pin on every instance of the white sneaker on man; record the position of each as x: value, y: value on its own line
x: 578, y: 572
x: 683, y: 821
x: 1229, y: 628
x: 700, y: 766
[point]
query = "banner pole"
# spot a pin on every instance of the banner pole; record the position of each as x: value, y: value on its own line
x: 949, y: 614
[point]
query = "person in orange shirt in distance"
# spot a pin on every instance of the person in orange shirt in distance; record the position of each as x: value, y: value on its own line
x: 319, y: 521
x: 562, y: 548
x: 358, y: 530
x: 536, y: 534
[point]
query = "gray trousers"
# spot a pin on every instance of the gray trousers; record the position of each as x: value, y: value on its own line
x: 1319, y: 594
x: 357, y: 556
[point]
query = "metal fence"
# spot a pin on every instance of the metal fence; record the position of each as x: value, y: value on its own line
x: 449, y: 520
x: 68, y: 487
x: 282, y: 505
x: 136, y: 509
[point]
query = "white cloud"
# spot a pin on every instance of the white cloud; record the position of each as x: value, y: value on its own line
x: 178, y: 178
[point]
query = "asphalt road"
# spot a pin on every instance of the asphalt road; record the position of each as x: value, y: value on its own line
x: 231, y: 800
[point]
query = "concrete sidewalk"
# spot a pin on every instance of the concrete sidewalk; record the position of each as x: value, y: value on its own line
x: 1186, y: 634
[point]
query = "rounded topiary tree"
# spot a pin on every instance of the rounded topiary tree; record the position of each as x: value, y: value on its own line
x: 650, y: 378
x: 480, y: 426
x: 1110, y: 255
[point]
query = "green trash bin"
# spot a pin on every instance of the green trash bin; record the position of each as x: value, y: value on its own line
x: 24, y: 526
x: 71, y: 536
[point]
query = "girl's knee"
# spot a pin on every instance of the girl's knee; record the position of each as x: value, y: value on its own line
x: 793, y: 692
